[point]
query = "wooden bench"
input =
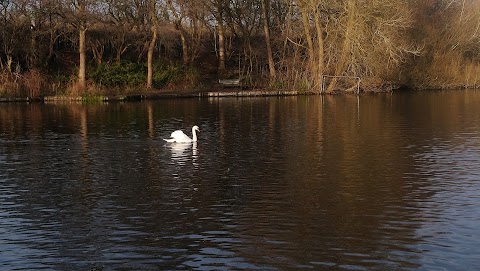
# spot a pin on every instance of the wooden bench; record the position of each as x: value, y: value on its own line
x: 229, y: 82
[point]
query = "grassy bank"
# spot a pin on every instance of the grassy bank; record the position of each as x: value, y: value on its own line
x: 126, y: 81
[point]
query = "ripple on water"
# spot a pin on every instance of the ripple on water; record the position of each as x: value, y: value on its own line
x: 350, y: 183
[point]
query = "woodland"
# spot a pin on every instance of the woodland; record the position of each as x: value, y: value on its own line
x: 99, y: 47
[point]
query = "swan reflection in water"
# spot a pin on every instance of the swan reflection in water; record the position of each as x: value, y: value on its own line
x: 183, y: 152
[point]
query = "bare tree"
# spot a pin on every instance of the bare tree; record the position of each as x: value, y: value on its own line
x: 178, y: 13
x: 48, y: 27
x: 125, y: 21
x: 338, y: 37
x: 15, y: 33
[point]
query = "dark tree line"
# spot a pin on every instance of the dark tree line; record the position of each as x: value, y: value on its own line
x: 296, y: 44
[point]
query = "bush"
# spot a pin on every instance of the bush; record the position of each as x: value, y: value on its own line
x: 32, y: 83
x: 123, y: 74
x: 134, y: 74
x: 163, y: 75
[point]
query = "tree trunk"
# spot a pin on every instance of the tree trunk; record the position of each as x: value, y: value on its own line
x: 51, y: 44
x: 320, y: 53
x: 184, y: 46
x: 195, y: 39
x: 266, y: 29
x: 118, y: 57
x: 221, y: 43
x: 151, y: 47
x: 9, y: 62
x: 121, y: 48
x: 308, y: 37
x: 150, y: 58
x: 97, y: 50
x: 82, y: 84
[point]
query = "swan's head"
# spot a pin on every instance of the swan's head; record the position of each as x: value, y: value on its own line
x: 196, y: 128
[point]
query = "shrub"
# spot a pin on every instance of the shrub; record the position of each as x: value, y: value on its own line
x: 162, y: 75
x: 131, y: 74
x: 123, y: 74
x: 32, y: 83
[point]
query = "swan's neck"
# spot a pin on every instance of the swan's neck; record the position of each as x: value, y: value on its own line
x: 194, y: 135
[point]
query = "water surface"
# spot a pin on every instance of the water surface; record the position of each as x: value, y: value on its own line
x: 385, y: 182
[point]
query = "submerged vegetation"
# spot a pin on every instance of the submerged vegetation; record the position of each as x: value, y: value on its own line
x: 99, y: 47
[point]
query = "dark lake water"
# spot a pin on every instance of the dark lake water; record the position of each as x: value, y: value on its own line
x: 384, y: 182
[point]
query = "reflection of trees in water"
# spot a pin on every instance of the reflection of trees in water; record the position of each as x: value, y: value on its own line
x: 289, y: 179
x: 346, y: 182
x: 337, y: 179
x: 18, y: 119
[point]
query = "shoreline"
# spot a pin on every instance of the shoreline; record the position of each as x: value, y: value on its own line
x: 157, y: 95
x: 213, y: 93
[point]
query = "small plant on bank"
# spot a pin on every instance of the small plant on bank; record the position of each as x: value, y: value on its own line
x: 32, y: 83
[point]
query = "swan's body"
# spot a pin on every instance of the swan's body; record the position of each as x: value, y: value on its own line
x: 180, y: 137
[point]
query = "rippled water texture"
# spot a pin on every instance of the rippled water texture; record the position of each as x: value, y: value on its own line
x: 385, y: 182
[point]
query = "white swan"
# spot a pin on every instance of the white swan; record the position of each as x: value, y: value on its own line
x: 180, y: 137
